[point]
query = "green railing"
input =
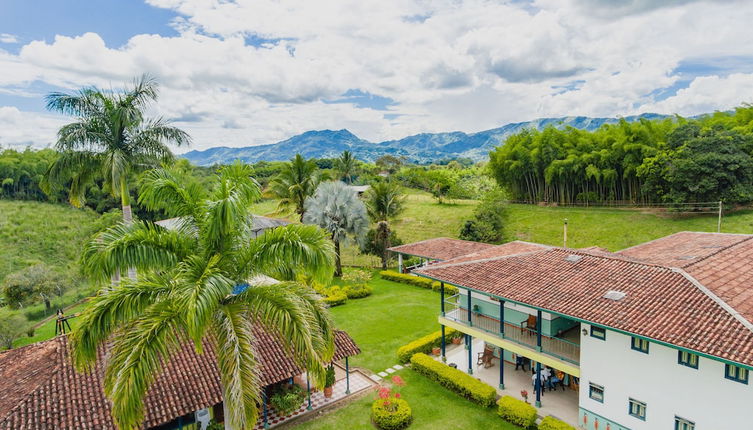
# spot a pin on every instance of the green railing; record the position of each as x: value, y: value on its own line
x: 456, y: 309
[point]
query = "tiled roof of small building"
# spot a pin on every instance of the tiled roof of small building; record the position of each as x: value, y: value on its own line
x: 39, y: 389
x: 661, y: 303
x: 441, y: 248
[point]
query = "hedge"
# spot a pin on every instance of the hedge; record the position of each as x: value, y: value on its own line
x: 423, y: 344
x: 335, y: 296
x: 516, y: 412
x: 551, y: 423
x: 386, y: 419
x: 357, y: 291
x: 454, y: 379
x: 418, y: 281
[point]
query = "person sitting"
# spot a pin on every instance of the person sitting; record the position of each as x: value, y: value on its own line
x: 521, y: 361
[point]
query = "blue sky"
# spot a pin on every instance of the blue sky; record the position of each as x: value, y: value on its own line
x: 238, y: 73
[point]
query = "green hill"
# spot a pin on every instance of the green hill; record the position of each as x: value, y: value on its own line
x: 32, y: 232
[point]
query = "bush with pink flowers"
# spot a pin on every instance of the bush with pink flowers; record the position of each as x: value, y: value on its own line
x: 389, y: 411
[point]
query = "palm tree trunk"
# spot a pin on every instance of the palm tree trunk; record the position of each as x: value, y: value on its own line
x: 125, y: 201
x: 338, y: 265
x: 386, y: 242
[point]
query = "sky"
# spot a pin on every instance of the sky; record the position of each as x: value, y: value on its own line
x: 249, y: 72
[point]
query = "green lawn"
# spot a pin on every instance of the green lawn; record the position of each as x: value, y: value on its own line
x: 433, y: 406
x: 47, y: 330
x: 392, y: 316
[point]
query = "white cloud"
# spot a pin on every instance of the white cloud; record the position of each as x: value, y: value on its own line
x: 21, y: 129
x: 8, y: 38
x: 448, y: 65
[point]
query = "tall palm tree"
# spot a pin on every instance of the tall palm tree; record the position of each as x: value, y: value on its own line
x: 335, y: 207
x: 346, y: 166
x: 111, y: 137
x: 384, y: 202
x: 296, y: 181
x: 193, y: 286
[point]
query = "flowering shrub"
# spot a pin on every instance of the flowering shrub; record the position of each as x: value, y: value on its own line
x: 287, y: 399
x: 358, y: 277
x: 357, y: 291
x: 389, y: 410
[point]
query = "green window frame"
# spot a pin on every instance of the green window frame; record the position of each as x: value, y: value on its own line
x: 638, y: 344
x: 637, y: 409
x: 683, y: 424
x: 596, y: 392
x: 736, y: 373
x: 598, y: 332
x: 687, y: 359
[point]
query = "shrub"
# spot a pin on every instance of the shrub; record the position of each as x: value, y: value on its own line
x: 423, y: 344
x: 516, y: 412
x: 30, y: 331
x: 391, y: 414
x: 357, y: 291
x: 551, y: 423
x: 455, y: 380
x: 357, y: 276
x: 418, y: 281
x: 329, y: 377
x: 287, y: 399
x: 335, y: 296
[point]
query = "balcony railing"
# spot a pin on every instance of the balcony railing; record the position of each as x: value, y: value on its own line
x: 514, y: 332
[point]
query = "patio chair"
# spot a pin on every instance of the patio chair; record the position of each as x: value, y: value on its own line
x: 529, y: 324
x: 486, y: 358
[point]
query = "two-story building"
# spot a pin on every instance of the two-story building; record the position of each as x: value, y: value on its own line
x: 657, y: 336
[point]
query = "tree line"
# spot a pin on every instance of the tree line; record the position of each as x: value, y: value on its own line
x: 673, y: 160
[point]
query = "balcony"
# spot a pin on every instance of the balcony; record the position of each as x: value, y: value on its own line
x: 557, y: 347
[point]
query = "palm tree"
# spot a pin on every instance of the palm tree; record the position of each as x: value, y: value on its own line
x: 296, y: 181
x: 110, y: 137
x: 346, y: 166
x: 384, y: 202
x: 193, y: 287
x: 336, y: 208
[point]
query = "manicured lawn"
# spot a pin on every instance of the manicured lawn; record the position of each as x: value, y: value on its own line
x: 434, y: 407
x: 392, y: 316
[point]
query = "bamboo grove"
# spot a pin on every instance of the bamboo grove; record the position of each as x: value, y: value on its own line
x: 632, y: 162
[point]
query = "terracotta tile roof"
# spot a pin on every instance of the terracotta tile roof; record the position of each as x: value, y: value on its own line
x: 509, y: 248
x: 661, y: 303
x: 682, y: 249
x: 39, y: 388
x: 441, y: 248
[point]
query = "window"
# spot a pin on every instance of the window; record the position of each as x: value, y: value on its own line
x: 637, y: 409
x: 687, y: 359
x: 598, y: 332
x: 596, y: 392
x: 639, y: 344
x: 736, y: 373
x: 683, y: 424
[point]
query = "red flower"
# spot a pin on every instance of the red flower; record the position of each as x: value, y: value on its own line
x: 398, y: 381
x: 384, y: 393
x: 386, y: 403
x: 397, y: 395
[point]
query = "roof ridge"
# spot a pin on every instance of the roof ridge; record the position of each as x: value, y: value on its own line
x: 718, y: 300
x: 722, y: 249
x: 423, y: 241
x: 482, y: 260
x: 613, y: 256
x: 652, y: 241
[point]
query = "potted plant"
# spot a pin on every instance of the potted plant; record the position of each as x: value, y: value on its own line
x: 456, y: 339
x: 435, y: 350
x: 329, y: 381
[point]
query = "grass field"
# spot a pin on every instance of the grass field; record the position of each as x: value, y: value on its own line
x: 433, y: 406
x: 392, y: 316
x: 47, y: 330
x: 33, y: 232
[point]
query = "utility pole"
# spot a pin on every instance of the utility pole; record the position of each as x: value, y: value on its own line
x: 565, y: 234
x: 719, y: 222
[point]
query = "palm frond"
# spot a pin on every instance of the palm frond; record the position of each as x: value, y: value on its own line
x: 110, y: 309
x: 77, y: 167
x: 140, y: 245
x: 238, y: 366
x: 136, y: 359
x: 285, y: 251
x: 162, y: 189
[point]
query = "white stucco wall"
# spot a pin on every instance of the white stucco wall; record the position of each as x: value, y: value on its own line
x: 701, y: 395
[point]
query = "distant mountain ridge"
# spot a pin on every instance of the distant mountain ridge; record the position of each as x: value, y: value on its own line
x: 421, y: 148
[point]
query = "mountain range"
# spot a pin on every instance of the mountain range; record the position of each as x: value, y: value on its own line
x: 420, y: 148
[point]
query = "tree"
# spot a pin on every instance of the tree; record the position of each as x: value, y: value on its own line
x: 384, y: 202
x: 389, y: 163
x: 336, y: 208
x: 487, y: 224
x: 12, y: 326
x: 377, y: 246
x: 193, y: 287
x: 37, y: 282
x: 346, y: 166
x: 294, y: 184
x: 111, y: 137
